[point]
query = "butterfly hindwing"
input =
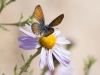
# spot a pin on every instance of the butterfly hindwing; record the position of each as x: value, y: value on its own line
x: 38, y: 15
x: 56, y: 21
x: 36, y: 28
x: 49, y: 32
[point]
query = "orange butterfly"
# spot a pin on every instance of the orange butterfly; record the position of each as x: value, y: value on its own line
x: 41, y: 28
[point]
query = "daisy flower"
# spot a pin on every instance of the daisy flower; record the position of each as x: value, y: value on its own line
x: 49, y: 47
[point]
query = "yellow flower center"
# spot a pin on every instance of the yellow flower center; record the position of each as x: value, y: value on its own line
x: 47, y: 42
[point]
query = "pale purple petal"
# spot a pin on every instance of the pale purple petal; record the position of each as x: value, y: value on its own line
x: 29, y: 46
x: 27, y: 33
x: 27, y: 39
x: 42, y: 58
x: 62, y: 40
x: 61, y: 58
x: 58, y: 58
x: 62, y: 50
x: 50, y: 60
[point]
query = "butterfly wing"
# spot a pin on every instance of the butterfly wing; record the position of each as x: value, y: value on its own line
x: 36, y: 28
x: 49, y: 31
x: 56, y: 21
x: 38, y: 15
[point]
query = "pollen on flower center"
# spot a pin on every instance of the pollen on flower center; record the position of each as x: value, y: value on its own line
x: 47, y: 42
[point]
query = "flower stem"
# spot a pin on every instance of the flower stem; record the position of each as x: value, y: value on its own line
x: 14, y: 24
x: 9, y: 2
x: 26, y: 65
x: 86, y: 73
x: 4, y: 4
x: 9, y: 23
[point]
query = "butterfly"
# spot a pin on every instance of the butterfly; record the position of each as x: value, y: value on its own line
x: 41, y: 28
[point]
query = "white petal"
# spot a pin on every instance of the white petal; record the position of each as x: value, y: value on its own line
x: 42, y: 58
x: 27, y: 33
x: 50, y: 61
x: 56, y: 33
x: 28, y: 27
x: 64, y: 58
x: 62, y: 50
x: 38, y: 45
x: 48, y: 73
x: 62, y: 40
x: 58, y: 58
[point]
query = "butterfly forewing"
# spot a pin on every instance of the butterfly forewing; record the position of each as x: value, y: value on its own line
x: 38, y: 15
x: 56, y: 21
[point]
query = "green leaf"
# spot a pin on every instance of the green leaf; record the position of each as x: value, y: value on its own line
x: 3, y: 3
x: 2, y: 27
x: 13, y: 0
x: 20, y: 23
x: 15, y: 69
x: 3, y: 74
x: 23, y: 57
x: 30, y: 19
x: 88, y: 63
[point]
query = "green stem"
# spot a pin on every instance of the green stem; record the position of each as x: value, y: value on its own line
x: 86, y: 72
x: 15, y: 24
x: 28, y: 62
x: 8, y: 3
x: 9, y: 24
x: 2, y: 6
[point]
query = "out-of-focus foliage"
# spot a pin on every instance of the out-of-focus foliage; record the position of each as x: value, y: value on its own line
x: 2, y: 27
x: 88, y: 63
x: 4, y: 3
x: 15, y: 70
